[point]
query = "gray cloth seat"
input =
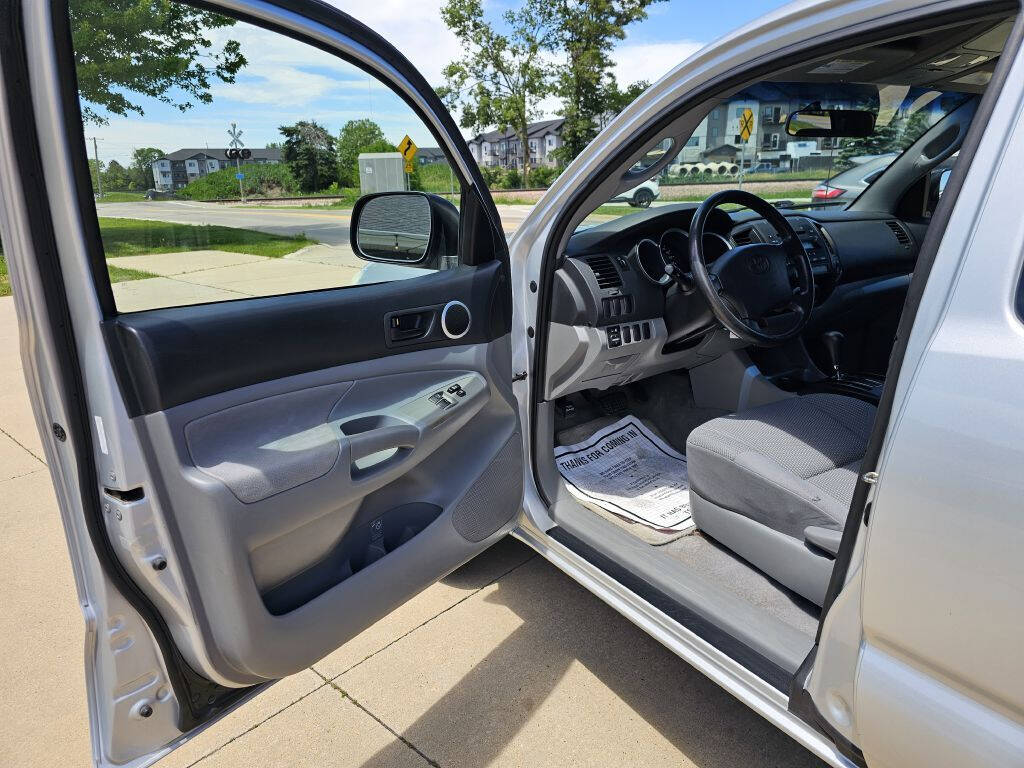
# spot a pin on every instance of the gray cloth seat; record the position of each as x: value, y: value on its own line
x: 774, y: 483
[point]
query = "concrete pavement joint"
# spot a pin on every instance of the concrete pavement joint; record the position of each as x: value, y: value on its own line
x: 254, y: 726
x: 380, y: 722
x: 424, y: 623
x: 349, y: 697
x: 22, y: 446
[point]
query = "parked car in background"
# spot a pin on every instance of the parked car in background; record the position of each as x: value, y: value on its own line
x: 640, y: 196
x: 848, y: 185
x: 159, y: 194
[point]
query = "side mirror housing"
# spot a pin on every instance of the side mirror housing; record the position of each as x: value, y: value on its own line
x: 830, y: 123
x: 410, y: 228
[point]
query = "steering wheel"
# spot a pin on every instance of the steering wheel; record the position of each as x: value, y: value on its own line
x: 762, y: 292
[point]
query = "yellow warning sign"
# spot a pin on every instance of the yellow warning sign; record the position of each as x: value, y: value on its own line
x: 408, y: 149
x: 746, y: 124
x: 408, y: 166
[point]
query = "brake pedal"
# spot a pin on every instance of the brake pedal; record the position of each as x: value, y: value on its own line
x: 613, y: 403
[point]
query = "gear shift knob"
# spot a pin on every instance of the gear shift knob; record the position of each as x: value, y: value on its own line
x: 833, y: 343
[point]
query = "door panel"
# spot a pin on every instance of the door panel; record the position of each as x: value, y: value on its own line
x: 307, y: 507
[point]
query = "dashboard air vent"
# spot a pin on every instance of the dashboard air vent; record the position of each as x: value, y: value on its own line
x: 902, y: 236
x: 605, y: 272
x: 745, y: 236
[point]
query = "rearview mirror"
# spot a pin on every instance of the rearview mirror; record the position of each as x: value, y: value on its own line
x: 826, y: 123
x: 405, y: 228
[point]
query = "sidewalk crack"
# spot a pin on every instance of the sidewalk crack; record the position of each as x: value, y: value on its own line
x: 380, y: 722
x: 254, y: 726
x: 22, y: 446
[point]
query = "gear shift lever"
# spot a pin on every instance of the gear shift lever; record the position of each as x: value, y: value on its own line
x: 833, y: 343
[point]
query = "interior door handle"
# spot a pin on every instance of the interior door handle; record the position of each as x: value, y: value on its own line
x: 409, y: 325
x: 372, y: 441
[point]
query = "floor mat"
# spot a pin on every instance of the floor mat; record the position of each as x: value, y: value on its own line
x: 624, y: 471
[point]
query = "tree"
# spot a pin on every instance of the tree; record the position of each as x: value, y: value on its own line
x: 902, y: 130
x: 355, y: 137
x: 587, y: 31
x: 95, y: 173
x: 309, y: 153
x: 141, y: 168
x: 116, y: 177
x: 502, y: 76
x: 155, y: 48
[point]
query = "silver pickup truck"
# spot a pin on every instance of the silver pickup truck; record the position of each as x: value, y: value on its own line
x: 786, y: 441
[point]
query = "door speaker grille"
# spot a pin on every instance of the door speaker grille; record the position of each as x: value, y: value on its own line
x: 494, y: 499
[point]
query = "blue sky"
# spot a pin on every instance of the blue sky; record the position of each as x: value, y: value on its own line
x: 286, y: 81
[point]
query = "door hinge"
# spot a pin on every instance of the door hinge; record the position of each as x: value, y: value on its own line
x: 519, y: 376
x: 870, y: 477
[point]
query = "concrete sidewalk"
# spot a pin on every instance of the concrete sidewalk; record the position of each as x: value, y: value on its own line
x: 504, y: 663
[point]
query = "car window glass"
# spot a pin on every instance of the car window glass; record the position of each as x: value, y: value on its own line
x: 743, y: 143
x: 226, y: 162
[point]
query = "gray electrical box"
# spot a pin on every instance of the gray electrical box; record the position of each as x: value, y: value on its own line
x: 381, y: 172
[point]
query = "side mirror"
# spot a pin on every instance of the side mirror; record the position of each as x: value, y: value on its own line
x: 828, y: 123
x: 412, y: 228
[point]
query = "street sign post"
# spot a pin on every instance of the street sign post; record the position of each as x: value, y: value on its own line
x: 236, y: 145
x: 408, y: 149
x: 746, y: 129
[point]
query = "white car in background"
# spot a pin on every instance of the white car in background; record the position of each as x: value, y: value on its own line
x: 640, y: 196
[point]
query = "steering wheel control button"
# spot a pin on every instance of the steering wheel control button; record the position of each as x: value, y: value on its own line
x: 455, y: 319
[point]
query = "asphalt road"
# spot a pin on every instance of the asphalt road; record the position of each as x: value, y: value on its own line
x: 328, y: 226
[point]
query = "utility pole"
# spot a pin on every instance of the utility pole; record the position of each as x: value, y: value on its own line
x: 96, y: 158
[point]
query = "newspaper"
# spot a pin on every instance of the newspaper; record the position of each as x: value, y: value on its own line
x: 629, y: 471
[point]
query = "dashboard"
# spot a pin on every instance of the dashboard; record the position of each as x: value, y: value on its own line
x: 617, y: 316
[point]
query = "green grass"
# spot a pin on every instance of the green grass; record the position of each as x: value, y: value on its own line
x: 5, y: 281
x: 122, y: 275
x: 135, y: 237
x: 122, y: 197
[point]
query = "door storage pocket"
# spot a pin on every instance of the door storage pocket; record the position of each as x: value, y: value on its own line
x: 361, y: 545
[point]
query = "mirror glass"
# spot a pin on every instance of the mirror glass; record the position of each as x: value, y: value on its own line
x: 394, y: 227
x: 839, y: 123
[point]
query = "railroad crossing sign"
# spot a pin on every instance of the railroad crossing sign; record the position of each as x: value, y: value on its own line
x: 408, y: 150
x: 746, y: 124
x: 236, y: 137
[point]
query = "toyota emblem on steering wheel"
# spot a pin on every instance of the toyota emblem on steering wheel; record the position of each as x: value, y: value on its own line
x: 758, y: 263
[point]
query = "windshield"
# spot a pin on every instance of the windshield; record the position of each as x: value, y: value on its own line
x: 742, y: 142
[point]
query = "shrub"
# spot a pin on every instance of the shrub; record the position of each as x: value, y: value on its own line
x: 260, y: 181
x: 543, y: 175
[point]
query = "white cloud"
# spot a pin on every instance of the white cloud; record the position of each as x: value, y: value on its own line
x: 414, y: 27
x: 649, y: 61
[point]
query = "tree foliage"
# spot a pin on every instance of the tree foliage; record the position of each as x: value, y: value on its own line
x: 355, y: 138
x: 309, y: 152
x: 116, y: 178
x: 141, y: 167
x: 587, y: 31
x: 155, y: 48
x: 502, y: 75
